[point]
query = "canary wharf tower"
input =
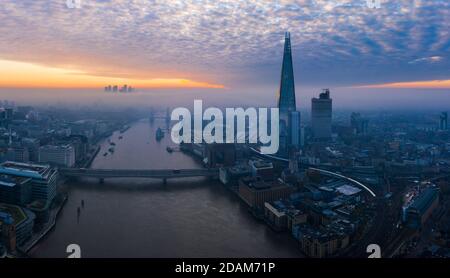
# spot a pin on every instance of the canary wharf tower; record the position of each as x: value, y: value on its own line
x: 289, y: 117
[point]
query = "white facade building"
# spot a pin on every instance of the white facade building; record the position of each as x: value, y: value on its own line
x: 63, y: 155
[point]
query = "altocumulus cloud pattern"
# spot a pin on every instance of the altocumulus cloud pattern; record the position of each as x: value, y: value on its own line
x: 233, y: 41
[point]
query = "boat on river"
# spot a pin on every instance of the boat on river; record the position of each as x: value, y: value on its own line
x: 159, y: 134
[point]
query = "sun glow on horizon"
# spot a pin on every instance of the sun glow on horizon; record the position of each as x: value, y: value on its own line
x: 431, y: 84
x: 15, y: 74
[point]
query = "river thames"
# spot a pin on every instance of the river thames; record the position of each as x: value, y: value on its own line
x: 194, y: 217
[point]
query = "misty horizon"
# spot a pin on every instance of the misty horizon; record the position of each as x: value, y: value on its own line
x: 343, y: 98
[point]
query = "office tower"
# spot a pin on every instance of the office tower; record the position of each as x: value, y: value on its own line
x: 43, y: 178
x: 294, y: 129
x: 115, y: 88
x: 9, y: 113
x: 359, y: 124
x: 124, y: 88
x: 302, y: 135
x: 321, y: 111
x: 286, y: 96
x: 443, y: 123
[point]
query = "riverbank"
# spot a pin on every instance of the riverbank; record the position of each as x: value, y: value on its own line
x: 57, y: 206
x: 62, y: 197
x: 89, y: 161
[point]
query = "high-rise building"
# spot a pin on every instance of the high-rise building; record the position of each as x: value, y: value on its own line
x: 124, y: 89
x: 295, y: 129
x: 9, y: 113
x: 302, y: 135
x: 359, y: 124
x: 321, y: 111
x: 443, y: 123
x: 43, y: 178
x: 286, y: 96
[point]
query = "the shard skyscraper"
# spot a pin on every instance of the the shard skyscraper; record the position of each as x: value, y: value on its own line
x: 286, y: 95
x: 289, y: 118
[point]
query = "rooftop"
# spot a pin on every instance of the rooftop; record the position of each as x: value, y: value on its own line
x: 24, y: 166
x: 11, y: 214
x: 258, y: 184
x: 261, y: 164
x: 320, y: 234
x: 11, y: 180
x: 26, y: 170
x: 424, y: 199
x: 348, y: 190
x: 56, y: 147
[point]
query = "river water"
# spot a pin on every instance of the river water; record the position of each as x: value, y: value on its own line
x: 193, y: 217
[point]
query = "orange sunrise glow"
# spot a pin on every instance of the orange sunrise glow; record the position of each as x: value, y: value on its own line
x: 432, y: 84
x: 27, y: 75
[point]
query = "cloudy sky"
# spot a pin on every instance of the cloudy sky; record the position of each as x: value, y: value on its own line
x: 224, y: 45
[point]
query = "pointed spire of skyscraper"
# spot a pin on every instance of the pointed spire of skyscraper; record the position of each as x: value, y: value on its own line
x: 286, y: 97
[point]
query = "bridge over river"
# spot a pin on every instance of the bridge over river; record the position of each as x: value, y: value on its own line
x: 163, y: 174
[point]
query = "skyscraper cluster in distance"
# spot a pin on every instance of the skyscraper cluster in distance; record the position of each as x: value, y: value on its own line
x: 114, y: 88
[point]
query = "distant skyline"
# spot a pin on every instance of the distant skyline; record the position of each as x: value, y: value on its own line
x: 232, y: 45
